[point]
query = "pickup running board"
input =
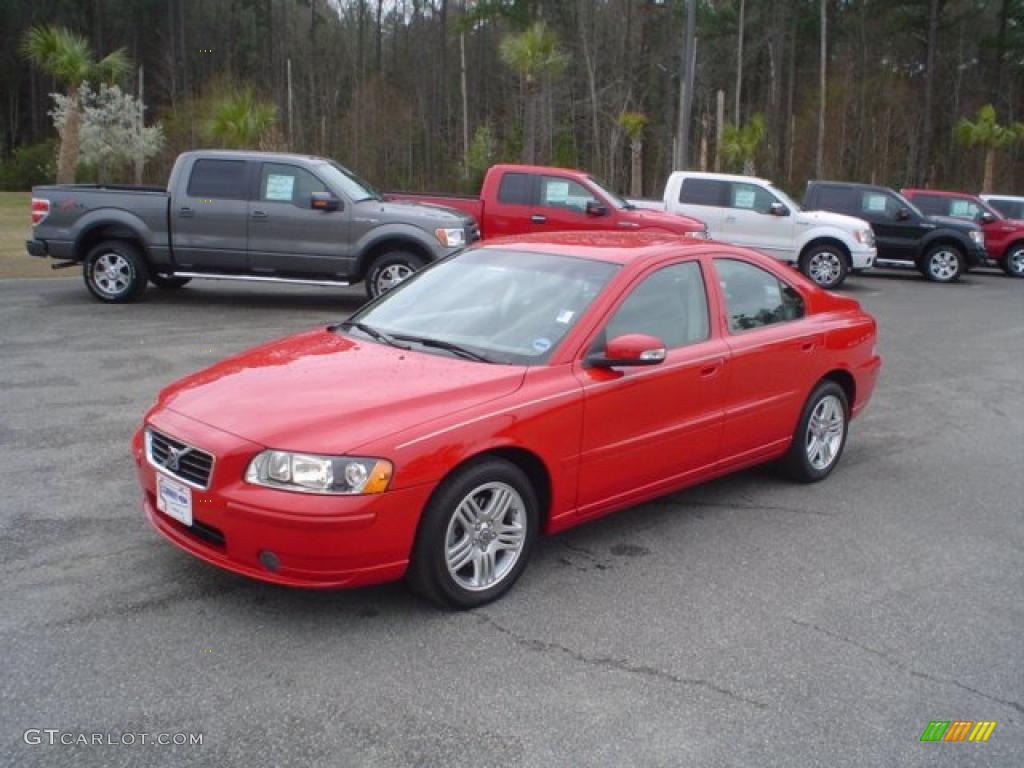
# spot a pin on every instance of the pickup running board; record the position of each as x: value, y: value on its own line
x: 260, y: 279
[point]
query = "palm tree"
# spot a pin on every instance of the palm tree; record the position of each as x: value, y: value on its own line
x: 68, y: 58
x: 239, y: 120
x: 740, y: 145
x: 533, y: 54
x: 986, y: 133
x: 633, y: 124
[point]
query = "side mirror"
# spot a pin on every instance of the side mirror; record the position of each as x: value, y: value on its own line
x: 324, y: 201
x: 987, y: 218
x: 629, y: 350
x: 903, y: 214
x: 595, y: 208
x: 778, y: 209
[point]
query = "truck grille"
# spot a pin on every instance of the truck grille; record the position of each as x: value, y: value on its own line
x: 176, y: 458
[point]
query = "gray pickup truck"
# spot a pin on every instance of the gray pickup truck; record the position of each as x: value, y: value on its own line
x: 253, y: 216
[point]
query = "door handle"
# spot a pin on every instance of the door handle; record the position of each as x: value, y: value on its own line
x: 185, y: 212
x: 808, y: 345
x: 538, y: 219
x: 709, y: 370
x: 259, y: 214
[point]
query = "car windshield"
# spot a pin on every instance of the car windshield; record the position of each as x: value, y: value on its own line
x: 347, y: 182
x: 496, y: 306
x: 617, y: 200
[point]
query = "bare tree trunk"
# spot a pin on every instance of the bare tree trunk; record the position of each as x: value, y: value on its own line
x: 925, y: 158
x: 465, y: 106
x: 819, y: 162
x: 719, y: 128
x: 739, y: 62
x: 530, y: 124
x: 990, y: 169
x: 637, y: 170
x: 67, y: 158
x: 140, y: 157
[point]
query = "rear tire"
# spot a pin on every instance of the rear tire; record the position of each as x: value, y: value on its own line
x: 475, y: 536
x: 1013, y: 264
x: 390, y: 269
x: 820, y: 434
x: 115, y: 272
x: 169, y: 283
x: 825, y: 264
x: 943, y: 264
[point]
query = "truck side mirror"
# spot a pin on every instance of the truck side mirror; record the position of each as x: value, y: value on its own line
x: 595, y: 208
x: 903, y: 214
x: 987, y: 218
x: 778, y: 209
x: 324, y: 201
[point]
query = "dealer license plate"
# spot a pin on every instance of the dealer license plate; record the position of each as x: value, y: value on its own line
x: 174, y: 499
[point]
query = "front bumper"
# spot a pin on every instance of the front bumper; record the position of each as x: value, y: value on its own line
x: 863, y: 258
x: 293, y: 539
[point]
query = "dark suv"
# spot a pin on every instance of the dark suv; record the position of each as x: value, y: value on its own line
x: 941, y: 248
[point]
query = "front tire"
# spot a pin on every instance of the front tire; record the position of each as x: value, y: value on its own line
x: 1013, y: 264
x: 820, y: 434
x: 115, y: 272
x: 825, y: 264
x: 475, y: 536
x: 168, y: 283
x: 943, y: 264
x: 391, y: 269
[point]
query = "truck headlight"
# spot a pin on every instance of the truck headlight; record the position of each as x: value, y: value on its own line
x: 977, y: 236
x: 865, y: 236
x: 308, y: 473
x: 451, y: 238
x: 699, y: 234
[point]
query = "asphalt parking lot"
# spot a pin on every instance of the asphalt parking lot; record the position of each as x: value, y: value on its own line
x: 749, y: 622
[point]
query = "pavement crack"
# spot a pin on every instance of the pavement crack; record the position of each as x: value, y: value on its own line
x: 613, y: 663
x: 901, y: 665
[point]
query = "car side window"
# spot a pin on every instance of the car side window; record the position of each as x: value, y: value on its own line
x: 1011, y: 209
x: 755, y: 297
x: 702, y: 192
x: 515, y: 189
x: 556, y: 192
x: 933, y: 205
x: 671, y: 304
x: 880, y: 204
x: 750, y: 197
x: 834, y: 199
x: 218, y: 180
x: 964, y: 209
x: 280, y: 183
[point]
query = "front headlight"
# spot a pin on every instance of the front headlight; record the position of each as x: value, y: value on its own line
x: 307, y: 473
x: 451, y: 238
x: 699, y: 234
x: 977, y: 236
x: 865, y: 236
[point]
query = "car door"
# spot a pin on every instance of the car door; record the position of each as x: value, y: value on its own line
x: 510, y: 211
x: 287, y: 235
x: 652, y: 425
x: 211, y: 216
x: 898, y: 229
x: 562, y: 206
x: 748, y: 221
x: 771, y: 348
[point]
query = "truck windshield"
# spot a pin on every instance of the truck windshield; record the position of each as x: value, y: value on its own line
x: 347, y: 182
x: 490, y: 305
x: 617, y: 200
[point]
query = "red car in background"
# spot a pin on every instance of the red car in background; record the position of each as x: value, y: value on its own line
x: 519, y: 387
x: 532, y: 199
x: 1004, y: 237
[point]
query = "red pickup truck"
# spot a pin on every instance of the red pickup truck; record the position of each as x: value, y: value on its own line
x: 1004, y: 237
x: 521, y: 199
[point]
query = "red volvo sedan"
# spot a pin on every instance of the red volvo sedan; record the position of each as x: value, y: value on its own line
x: 520, y: 387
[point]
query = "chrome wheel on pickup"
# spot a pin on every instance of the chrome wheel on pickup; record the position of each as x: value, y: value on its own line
x: 1014, y: 262
x: 115, y: 272
x: 943, y: 264
x: 391, y: 269
x: 825, y: 264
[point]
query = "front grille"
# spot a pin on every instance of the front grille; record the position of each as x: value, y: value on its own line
x: 179, y: 459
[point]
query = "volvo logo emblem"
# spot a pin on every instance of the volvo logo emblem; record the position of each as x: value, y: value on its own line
x: 174, y: 455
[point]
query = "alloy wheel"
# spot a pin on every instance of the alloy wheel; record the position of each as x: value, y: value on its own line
x: 825, y: 432
x: 825, y: 267
x: 485, y: 536
x: 944, y: 264
x: 1015, y: 262
x: 112, y: 273
x: 391, y: 276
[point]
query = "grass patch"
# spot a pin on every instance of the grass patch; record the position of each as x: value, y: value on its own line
x: 15, y: 229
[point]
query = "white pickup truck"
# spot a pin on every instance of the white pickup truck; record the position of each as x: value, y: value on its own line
x: 752, y: 212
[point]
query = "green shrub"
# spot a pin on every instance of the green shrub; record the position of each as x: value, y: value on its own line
x: 28, y: 166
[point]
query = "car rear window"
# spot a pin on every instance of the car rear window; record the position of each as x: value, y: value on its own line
x: 218, y: 179
x: 835, y: 199
x: 703, y: 192
x: 933, y: 205
x: 515, y: 189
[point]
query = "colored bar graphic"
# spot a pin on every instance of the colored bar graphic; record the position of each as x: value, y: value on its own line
x: 982, y: 730
x: 958, y: 730
x: 935, y: 730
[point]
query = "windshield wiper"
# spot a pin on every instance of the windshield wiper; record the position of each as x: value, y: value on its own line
x: 372, y: 332
x: 445, y: 345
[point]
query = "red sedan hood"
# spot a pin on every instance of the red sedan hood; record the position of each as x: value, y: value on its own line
x: 321, y: 392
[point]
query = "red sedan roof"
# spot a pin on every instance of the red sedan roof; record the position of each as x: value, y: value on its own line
x: 617, y: 247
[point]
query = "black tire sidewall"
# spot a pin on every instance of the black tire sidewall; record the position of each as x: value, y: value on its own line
x: 137, y: 265
x: 844, y: 268
x: 930, y: 253
x: 428, y: 572
x: 797, y: 462
x: 409, y: 259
